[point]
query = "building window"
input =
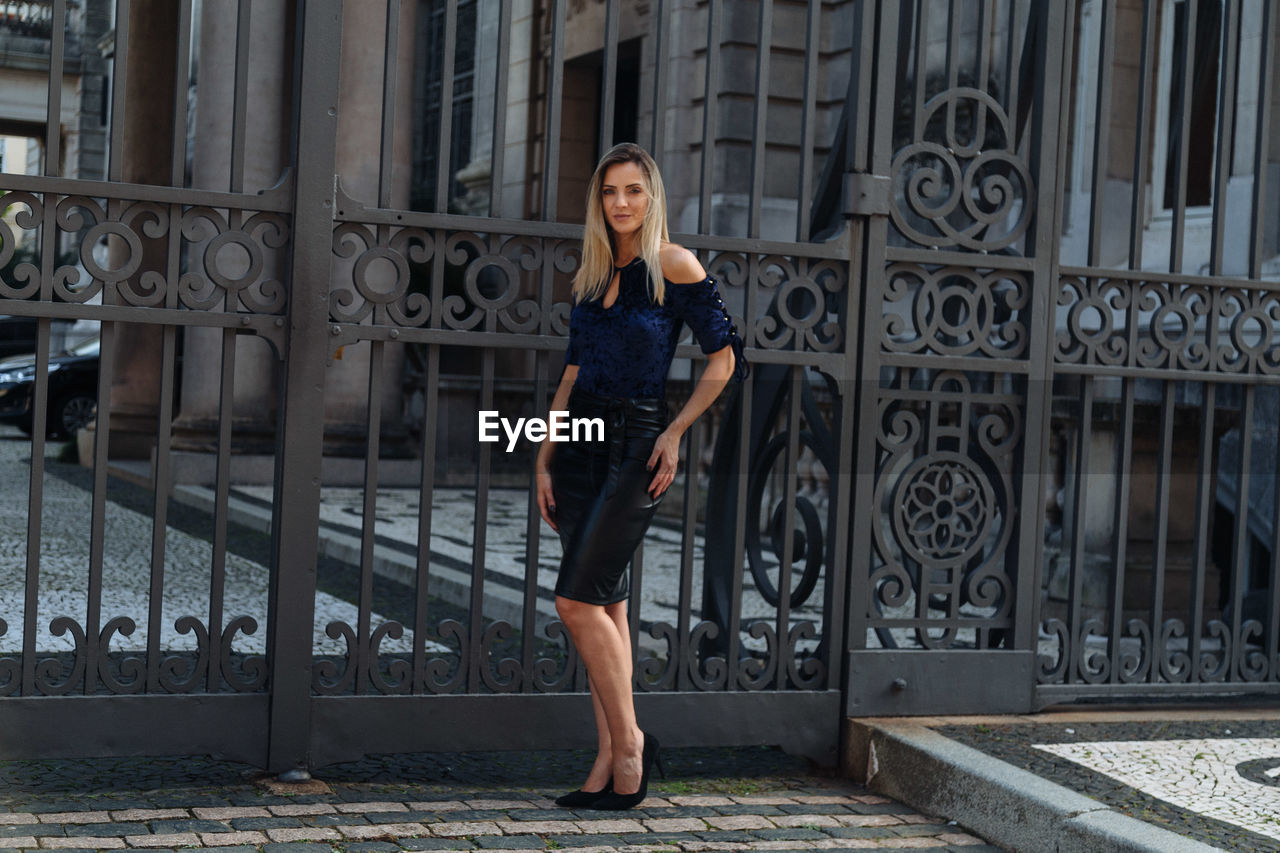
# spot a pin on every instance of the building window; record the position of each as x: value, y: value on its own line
x: 1202, y: 49
x: 429, y: 77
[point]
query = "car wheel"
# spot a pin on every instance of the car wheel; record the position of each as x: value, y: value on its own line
x: 71, y: 413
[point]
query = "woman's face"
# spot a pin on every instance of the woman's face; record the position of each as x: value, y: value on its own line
x: 624, y: 198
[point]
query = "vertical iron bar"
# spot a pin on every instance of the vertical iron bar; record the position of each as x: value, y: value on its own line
x: 1226, y: 137
x: 609, y: 78
x: 421, y: 593
x: 444, y: 155
x: 390, y: 78
x: 1102, y: 132
x: 740, y: 499
x: 953, y: 46
x: 1240, y: 551
x: 710, y: 103
x: 788, y: 528
x: 1186, y: 42
x: 986, y: 20
x: 1273, y: 585
x: 297, y: 498
x: 368, y: 662
x: 119, y: 75
x: 1120, y: 523
x: 1160, y: 547
x: 921, y: 69
x: 497, y: 156
x: 1011, y: 69
x: 813, y: 16
x: 1141, y: 154
x: 240, y: 107
x: 478, y: 541
x: 661, y: 15
x: 181, y: 94
x: 53, y: 107
x: 97, y: 515
x: 760, y: 136
x: 221, y: 507
x: 533, y: 522
x: 40, y: 408
x: 1204, y: 511
x: 1262, y: 141
x: 555, y: 91
x: 1075, y: 602
x: 688, y: 533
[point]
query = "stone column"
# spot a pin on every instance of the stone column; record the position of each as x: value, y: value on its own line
x: 359, y: 144
x: 148, y: 133
x: 266, y: 156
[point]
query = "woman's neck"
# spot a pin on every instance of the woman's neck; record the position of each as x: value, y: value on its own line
x: 625, y: 249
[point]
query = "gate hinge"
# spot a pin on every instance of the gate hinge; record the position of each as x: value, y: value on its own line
x: 866, y: 194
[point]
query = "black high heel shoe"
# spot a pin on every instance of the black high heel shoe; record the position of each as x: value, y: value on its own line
x: 614, y: 801
x: 581, y: 799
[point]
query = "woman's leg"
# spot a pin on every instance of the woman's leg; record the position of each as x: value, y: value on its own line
x: 606, y: 650
x: 602, y: 768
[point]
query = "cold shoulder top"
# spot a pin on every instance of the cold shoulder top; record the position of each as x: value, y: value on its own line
x: 625, y: 350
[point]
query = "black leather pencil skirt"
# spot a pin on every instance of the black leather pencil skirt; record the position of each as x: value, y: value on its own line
x: 601, y: 488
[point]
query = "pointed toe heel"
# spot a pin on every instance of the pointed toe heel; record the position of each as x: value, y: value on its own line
x: 581, y: 799
x: 618, y: 802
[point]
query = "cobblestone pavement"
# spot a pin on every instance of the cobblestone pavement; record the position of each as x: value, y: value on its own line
x: 724, y: 799
x: 1211, y: 775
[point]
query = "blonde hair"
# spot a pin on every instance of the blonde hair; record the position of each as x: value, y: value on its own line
x: 598, y: 249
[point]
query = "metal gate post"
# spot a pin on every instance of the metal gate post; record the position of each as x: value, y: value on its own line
x: 297, y: 494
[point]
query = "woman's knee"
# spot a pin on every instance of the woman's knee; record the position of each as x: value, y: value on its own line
x: 573, y: 611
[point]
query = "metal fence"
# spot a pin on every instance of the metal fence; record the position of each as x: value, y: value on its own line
x: 926, y: 499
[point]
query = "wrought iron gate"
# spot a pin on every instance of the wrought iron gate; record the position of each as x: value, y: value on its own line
x: 872, y: 524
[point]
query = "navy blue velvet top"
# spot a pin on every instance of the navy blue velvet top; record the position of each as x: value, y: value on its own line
x: 625, y: 350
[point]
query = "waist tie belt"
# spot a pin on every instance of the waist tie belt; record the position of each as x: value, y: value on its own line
x: 619, y: 413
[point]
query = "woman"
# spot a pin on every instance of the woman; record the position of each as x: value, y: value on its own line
x: 632, y: 292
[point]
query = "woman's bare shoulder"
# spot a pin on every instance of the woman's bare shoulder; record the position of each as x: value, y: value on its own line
x: 679, y: 265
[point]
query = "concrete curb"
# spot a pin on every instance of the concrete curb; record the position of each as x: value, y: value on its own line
x: 1007, y: 805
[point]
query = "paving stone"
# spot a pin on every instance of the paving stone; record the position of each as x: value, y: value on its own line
x: 745, y: 821
x: 305, y: 833
x: 226, y: 839
x: 297, y: 809
x: 868, y: 820
x: 536, y: 814
x: 821, y: 800
x: 194, y: 825
x: 814, y: 808
x: 539, y: 827
x: 909, y: 830
x: 713, y: 845
x: 335, y: 819
x: 844, y: 844
x: 264, y: 823
x: 612, y: 825
x: 17, y: 842
x: 738, y: 808
x: 499, y: 804
x: 587, y: 840
x: 961, y: 839
x: 364, y: 808
x: 682, y: 811
x: 466, y: 815
x: 384, y: 830
x: 294, y: 847
x: 727, y: 836
x: 766, y: 800
x: 75, y: 817
x: 863, y: 832
x: 788, y: 834
x: 140, y: 815
x: 804, y: 820
x: 875, y: 808
x: 371, y: 847
x: 24, y: 830
x: 908, y: 843
x: 17, y: 818
x: 120, y: 829
x: 511, y: 842
x: 243, y: 848
x: 83, y: 842
x: 181, y: 839
x: 456, y: 828
x: 435, y: 844
x: 675, y: 824
x: 230, y: 812
x: 438, y: 806
x: 703, y: 800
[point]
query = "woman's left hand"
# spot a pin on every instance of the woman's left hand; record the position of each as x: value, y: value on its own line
x: 663, y: 462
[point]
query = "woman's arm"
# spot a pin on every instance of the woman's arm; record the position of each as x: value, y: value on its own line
x: 546, y: 496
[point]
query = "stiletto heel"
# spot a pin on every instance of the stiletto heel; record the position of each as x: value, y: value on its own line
x: 614, y: 801
x: 581, y: 799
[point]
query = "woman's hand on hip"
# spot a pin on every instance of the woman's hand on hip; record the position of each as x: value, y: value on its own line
x: 663, y: 462
x: 546, y: 499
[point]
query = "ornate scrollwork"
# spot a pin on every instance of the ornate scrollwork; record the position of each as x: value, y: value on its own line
x: 954, y: 311
x: 28, y: 216
x: 253, y: 668
x: 398, y: 675
x: 492, y: 266
x: 179, y: 673
x: 441, y: 677
x: 369, y: 295
x: 1252, y: 658
x: 52, y: 679
x: 949, y: 191
x: 1052, y: 669
x: 756, y: 673
x: 1135, y: 668
x: 9, y: 667
x: 808, y: 543
x: 504, y: 675
x: 241, y: 274
x: 326, y: 679
x: 550, y: 675
x: 1175, y: 664
x: 706, y: 671
x: 1216, y: 666
x: 944, y: 492
x: 659, y: 673
x: 133, y: 669
x: 804, y: 672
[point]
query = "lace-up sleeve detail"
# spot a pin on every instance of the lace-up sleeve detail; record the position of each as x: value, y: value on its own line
x: 700, y: 307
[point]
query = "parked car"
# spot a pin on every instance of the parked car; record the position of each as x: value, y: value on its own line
x: 73, y: 390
